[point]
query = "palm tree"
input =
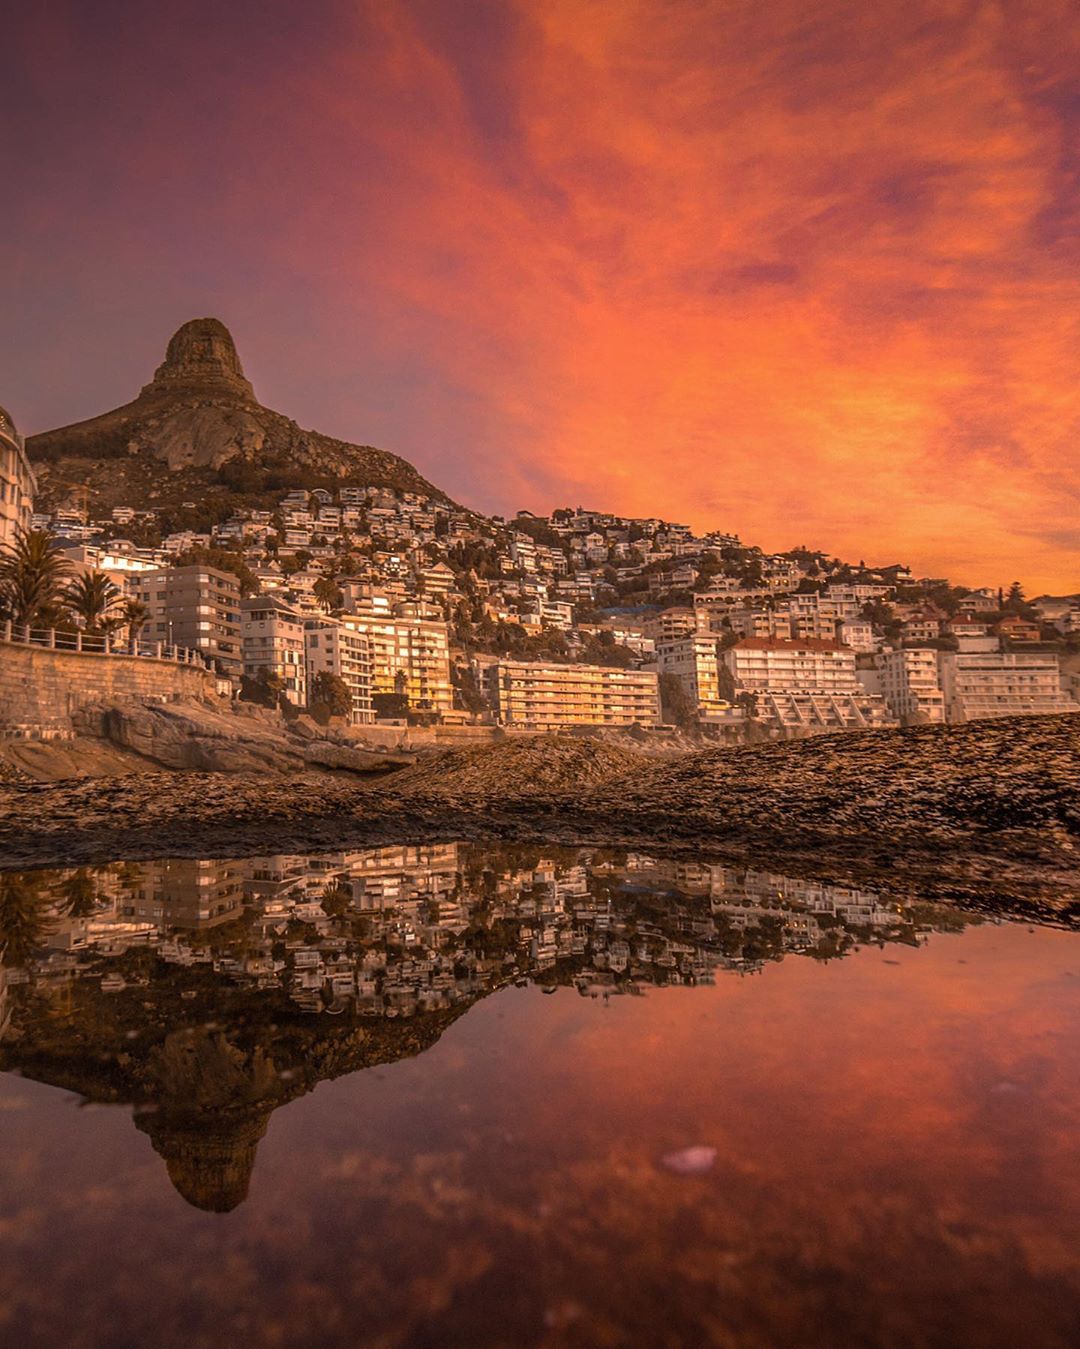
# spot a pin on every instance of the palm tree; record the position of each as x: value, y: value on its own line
x: 31, y: 573
x: 135, y: 615
x: 91, y: 597
x: 328, y: 594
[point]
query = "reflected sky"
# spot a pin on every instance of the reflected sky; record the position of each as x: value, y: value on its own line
x: 889, y: 1135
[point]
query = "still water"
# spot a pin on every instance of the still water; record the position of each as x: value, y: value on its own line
x: 459, y: 1095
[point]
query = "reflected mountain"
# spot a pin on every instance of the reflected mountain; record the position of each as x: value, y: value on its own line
x: 207, y: 994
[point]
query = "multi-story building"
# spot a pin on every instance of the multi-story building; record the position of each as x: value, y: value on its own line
x: 540, y: 697
x: 775, y: 623
x: 272, y: 633
x: 669, y: 624
x: 17, y: 482
x: 1002, y: 684
x: 409, y: 656
x: 333, y: 648
x: 695, y: 662
x: 804, y: 685
x: 185, y: 893
x: 858, y: 633
x: 196, y: 606
x: 909, y: 682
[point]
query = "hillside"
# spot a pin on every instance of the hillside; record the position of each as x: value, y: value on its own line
x: 197, y: 432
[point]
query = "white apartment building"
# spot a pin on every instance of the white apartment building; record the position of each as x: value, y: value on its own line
x: 804, y: 685
x: 272, y: 638
x: 540, y: 697
x: 695, y: 662
x: 1002, y: 684
x: 858, y: 633
x: 17, y: 482
x: 410, y: 656
x: 909, y: 682
x: 332, y: 648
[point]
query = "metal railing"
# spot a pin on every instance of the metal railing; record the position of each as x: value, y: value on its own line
x: 98, y: 644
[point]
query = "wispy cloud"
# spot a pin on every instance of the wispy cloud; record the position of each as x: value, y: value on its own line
x: 806, y: 270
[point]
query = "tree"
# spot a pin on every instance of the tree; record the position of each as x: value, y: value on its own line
x: 1016, y: 602
x: 336, y: 899
x: 330, y: 696
x: 24, y: 919
x: 748, y: 701
x: 32, y: 572
x: 676, y: 706
x: 78, y: 894
x: 394, y: 705
x: 135, y: 615
x: 94, y: 599
x: 223, y: 560
x: 265, y: 688
x: 328, y: 593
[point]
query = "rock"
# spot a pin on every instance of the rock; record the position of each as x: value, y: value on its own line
x: 327, y: 754
x: 199, y: 416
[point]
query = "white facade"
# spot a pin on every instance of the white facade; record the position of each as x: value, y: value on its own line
x: 332, y: 648
x: 543, y: 697
x: 695, y: 662
x: 909, y: 682
x: 1002, y: 684
x: 804, y: 685
x: 410, y: 656
x: 272, y: 638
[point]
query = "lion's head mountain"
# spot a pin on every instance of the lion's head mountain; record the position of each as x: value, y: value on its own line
x: 197, y: 430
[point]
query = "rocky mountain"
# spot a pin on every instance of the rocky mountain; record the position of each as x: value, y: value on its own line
x: 198, y: 433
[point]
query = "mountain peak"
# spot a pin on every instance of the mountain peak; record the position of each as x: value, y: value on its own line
x: 201, y: 357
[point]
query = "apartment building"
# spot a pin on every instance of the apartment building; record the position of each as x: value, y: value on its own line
x: 775, y: 623
x: 669, y: 624
x: 695, y: 662
x: 1002, y: 684
x: 272, y: 635
x: 196, y: 607
x: 409, y: 656
x: 804, y: 685
x: 17, y: 482
x: 333, y: 648
x: 539, y: 697
x: 909, y: 681
x: 858, y: 633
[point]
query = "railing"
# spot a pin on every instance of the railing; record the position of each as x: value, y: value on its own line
x: 99, y: 644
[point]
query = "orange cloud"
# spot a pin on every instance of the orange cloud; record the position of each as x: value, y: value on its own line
x: 798, y: 272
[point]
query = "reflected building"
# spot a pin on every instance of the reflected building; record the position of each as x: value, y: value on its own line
x: 233, y: 986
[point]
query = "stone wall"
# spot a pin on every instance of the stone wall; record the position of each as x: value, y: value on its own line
x: 40, y: 689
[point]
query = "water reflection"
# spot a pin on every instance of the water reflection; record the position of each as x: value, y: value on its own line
x: 208, y: 993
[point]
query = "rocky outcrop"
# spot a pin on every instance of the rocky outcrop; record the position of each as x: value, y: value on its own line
x: 227, y: 738
x: 200, y: 418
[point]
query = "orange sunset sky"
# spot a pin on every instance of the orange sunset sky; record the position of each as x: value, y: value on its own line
x: 804, y: 270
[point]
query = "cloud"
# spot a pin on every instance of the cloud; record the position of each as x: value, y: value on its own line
x: 804, y: 270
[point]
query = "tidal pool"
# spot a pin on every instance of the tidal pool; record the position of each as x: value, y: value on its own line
x: 458, y: 1095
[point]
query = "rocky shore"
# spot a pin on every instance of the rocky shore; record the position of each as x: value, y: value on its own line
x: 987, y: 814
